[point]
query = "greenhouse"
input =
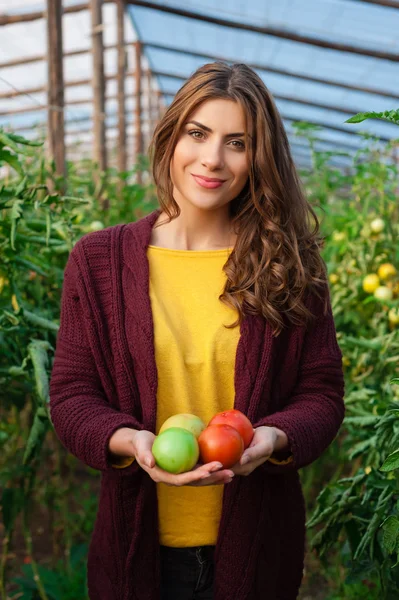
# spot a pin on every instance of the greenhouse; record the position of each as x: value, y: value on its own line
x: 116, y: 380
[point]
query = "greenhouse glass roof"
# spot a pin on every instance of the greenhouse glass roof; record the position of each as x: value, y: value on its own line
x: 323, y: 60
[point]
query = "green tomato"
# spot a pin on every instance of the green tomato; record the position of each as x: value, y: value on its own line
x: 96, y: 226
x: 377, y: 225
x: 176, y: 450
x: 185, y: 421
x: 383, y: 293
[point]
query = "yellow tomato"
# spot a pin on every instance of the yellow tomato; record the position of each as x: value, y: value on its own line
x: 14, y: 303
x: 377, y: 225
x: 383, y: 293
x: 393, y: 316
x: 96, y: 226
x: 338, y: 236
x: 2, y: 283
x: 371, y: 283
x: 333, y: 278
x: 386, y: 271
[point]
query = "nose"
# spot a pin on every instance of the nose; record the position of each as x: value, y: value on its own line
x: 212, y: 157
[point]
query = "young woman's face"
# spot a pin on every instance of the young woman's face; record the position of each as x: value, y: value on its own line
x: 207, y: 148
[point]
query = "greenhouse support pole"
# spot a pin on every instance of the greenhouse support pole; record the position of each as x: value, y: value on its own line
x: 161, y: 106
x: 100, y: 149
x: 55, y: 86
x: 122, y: 161
x: 149, y: 104
x: 139, y: 133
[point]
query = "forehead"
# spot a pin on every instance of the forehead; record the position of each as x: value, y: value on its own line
x: 221, y: 112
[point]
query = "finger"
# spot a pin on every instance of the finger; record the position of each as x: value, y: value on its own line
x: 208, y: 467
x: 247, y: 469
x: 221, y: 478
x: 261, y: 450
x: 146, y: 458
x: 203, y: 472
x: 161, y: 476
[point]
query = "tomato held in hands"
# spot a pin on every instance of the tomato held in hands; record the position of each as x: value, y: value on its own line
x: 237, y: 419
x: 222, y: 443
x: 176, y: 450
x: 185, y: 421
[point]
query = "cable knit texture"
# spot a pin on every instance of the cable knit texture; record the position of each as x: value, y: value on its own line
x: 105, y: 377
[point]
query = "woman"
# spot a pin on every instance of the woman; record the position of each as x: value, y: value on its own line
x: 219, y: 298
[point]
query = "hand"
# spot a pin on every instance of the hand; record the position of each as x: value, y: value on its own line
x: 210, y: 474
x: 260, y: 449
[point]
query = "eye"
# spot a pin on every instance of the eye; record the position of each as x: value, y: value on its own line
x: 192, y: 133
x: 240, y: 146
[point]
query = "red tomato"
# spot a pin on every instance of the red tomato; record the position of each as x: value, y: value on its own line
x: 222, y: 443
x: 237, y: 419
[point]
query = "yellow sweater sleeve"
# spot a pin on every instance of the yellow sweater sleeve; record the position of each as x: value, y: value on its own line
x: 124, y: 462
x: 280, y: 462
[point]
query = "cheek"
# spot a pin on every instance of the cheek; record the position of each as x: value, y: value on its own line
x: 242, y: 174
x: 183, y: 154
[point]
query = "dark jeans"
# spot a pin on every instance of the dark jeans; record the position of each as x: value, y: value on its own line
x: 187, y: 573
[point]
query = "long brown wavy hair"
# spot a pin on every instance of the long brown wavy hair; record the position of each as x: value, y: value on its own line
x: 276, y: 259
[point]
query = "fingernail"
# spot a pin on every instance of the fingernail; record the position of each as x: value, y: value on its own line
x: 218, y: 465
x: 245, y: 460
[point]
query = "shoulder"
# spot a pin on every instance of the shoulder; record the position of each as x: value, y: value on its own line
x: 90, y: 251
x: 97, y: 241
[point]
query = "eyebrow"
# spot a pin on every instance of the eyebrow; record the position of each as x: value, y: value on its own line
x: 228, y: 135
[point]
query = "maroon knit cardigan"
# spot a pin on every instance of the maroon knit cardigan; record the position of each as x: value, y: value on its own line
x: 104, y: 377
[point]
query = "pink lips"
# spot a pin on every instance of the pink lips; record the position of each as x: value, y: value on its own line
x: 207, y: 184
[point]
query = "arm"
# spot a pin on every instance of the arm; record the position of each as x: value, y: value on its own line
x: 81, y: 415
x: 312, y: 417
x: 121, y: 447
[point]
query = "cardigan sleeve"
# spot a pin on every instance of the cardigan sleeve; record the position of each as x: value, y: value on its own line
x: 80, y: 413
x: 314, y: 413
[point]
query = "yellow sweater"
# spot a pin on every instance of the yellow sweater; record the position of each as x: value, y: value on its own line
x: 195, y: 357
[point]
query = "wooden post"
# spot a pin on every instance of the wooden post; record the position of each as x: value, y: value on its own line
x: 100, y: 150
x: 122, y: 162
x: 161, y: 105
x: 55, y: 86
x: 149, y: 104
x: 139, y: 134
x: 159, y: 114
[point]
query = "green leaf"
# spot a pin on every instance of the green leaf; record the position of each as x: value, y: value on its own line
x: 11, y: 159
x: 391, y: 463
x: 12, y: 141
x: 362, y: 421
x: 390, y: 529
x: 38, y: 353
x: 41, y: 322
x: 41, y: 425
x: 15, y: 215
x: 19, y: 139
x: 389, y: 115
x: 362, y: 446
x: 24, y: 262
